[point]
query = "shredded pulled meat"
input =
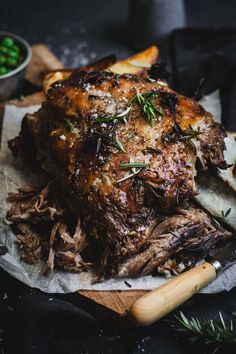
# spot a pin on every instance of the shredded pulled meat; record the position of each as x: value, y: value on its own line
x: 46, y: 229
x: 41, y: 225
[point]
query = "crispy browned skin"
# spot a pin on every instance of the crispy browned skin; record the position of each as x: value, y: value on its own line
x: 86, y: 161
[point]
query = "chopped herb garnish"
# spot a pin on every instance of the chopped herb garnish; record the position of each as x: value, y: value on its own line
x: 179, y: 134
x: 105, y: 119
x: 191, y: 133
x: 221, y: 218
x: 133, y: 165
x: 126, y: 111
x: 129, y: 176
x: 112, y: 118
x: 69, y: 124
x: 136, y: 167
x: 119, y: 144
x: 145, y: 101
x: 99, y: 143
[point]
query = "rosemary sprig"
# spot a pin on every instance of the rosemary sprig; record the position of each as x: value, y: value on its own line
x: 119, y: 144
x: 145, y: 101
x: 69, y: 125
x: 191, y: 133
x: 221, y: 218
x: 186, y: 134
x: 212, y: 333
x: 179, y: 134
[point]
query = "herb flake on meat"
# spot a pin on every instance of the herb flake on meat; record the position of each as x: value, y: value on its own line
x: 217, y: 219
x: 69, y: 125
x: 133, y: 165
x: 119, y: 144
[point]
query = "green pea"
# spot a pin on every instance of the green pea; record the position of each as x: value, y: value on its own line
x: 16, y: 48
x: 8, y: 42
x: 11, y: 53
x: 11, y: 62
x: 3, y: 70
x: 2, y: 59
x: 3, y: 49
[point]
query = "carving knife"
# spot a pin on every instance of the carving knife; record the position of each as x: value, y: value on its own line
x: 159, y: 302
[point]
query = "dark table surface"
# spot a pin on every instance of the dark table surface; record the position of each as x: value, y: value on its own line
x: 79, y: 32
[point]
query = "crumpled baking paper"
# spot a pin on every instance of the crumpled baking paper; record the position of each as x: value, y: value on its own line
x: 13, y: 175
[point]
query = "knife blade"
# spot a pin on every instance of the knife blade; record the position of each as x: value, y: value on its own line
x: 225, y: 256
x: 159, y: 302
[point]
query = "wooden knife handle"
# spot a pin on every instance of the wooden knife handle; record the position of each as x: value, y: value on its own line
x: 159, y: 302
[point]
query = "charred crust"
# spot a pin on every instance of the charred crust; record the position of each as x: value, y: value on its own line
x: 169, y: 101
x: 158, y: 71
x: 83, y: 78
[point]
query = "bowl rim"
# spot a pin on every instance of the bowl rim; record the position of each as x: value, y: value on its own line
x: 28, y: 55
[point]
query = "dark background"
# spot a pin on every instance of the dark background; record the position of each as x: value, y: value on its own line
x: 79, y: 32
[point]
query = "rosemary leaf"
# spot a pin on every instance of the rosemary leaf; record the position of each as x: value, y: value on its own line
x: 217, y: 219
x: 124, y: 113
x: 119, y: 144
x: 99, y: 143
x: 112, y: 118
x: 226, y: 213
x: 129, y: 176
x: 69, y: 124
x: 133, y: 165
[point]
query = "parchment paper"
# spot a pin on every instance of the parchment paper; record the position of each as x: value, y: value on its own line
x: 13, y: 175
